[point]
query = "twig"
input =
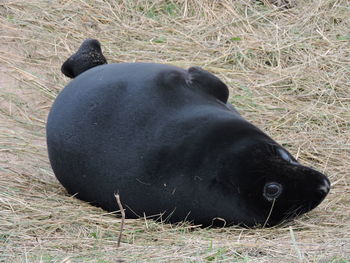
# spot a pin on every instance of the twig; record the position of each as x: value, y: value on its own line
x: 123, y: 218
x: 294, y: 242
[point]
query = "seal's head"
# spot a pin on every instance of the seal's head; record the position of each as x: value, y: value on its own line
x: 270, y: 184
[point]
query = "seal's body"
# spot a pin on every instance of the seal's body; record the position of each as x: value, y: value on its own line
x: 168, y: 142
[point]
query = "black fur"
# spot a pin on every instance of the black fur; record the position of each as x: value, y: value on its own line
x: 165, y: 139
x: 88, y: 56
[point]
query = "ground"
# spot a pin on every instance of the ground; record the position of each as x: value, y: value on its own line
x: 288, y: 69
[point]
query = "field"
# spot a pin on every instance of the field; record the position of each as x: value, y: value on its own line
x: 288, y: 69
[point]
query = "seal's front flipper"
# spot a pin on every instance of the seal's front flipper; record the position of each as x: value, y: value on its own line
x: 89, y: 55
x: 207, y: 82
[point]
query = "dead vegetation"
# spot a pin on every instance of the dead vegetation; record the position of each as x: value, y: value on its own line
x: 289, y: 73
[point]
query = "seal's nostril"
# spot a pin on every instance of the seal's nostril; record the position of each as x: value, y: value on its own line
x: 325, y: 187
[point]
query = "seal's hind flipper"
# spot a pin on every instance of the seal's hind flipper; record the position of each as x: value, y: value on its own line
x: 207, y: 82
x: 89, y: 55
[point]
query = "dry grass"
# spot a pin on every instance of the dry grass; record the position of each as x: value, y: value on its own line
x: 289, y: 73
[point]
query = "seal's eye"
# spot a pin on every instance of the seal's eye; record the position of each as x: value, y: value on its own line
x: 272, y: 191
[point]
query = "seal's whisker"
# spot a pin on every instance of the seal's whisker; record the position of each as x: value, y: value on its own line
x: 292, y: 212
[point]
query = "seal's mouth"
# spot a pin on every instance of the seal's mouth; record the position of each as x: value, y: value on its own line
x: 317, y: 197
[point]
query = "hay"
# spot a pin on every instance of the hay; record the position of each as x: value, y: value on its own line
x: 289, y: 73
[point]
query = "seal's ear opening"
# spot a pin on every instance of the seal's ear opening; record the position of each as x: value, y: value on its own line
x: 207, y: 82
x: 89, y: 55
